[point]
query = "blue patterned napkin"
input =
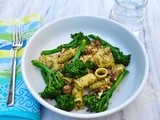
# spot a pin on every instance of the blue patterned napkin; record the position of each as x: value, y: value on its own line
x: 25, y: 107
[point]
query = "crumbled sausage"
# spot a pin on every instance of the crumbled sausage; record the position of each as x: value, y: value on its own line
x: 67, y: 89
x: 88, y: 51
x: 111, y: 73
x: 96, y: 43
x: 103, y: 88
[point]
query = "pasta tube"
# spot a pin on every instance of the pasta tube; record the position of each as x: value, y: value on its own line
x: 67, y: 79
x: 78, y: 98
x: 101, y: 73
x: 65, y: 56
x: 85, y: 81
x: 103, y: 58
x: 51, y: 61
x: 98, y: 84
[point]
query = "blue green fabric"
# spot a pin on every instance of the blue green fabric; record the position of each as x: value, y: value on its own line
x: 25, y: 107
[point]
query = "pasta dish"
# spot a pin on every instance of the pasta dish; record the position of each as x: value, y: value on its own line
x: 82, y: 73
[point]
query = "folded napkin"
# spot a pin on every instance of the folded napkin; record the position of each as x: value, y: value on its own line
x: 25, y: 107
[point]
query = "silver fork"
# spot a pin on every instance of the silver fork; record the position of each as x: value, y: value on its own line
x: 16, y: 45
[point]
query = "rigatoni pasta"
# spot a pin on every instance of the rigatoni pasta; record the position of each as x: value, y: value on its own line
x: 85, y: 81
x: 99, y: 85
x: 66, y: 55
x: 78, y: 98
x: 101, y: 73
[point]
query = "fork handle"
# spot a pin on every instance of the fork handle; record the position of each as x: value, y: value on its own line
x: 11, y: 91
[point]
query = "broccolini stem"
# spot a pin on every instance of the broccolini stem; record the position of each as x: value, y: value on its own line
x: 103, y: 42
x: 108, y: 94
x: 117, y: 82
x: 45, y: 77
x: 41, y: 66
x: 80, y: 50
x: 45, y: 69
x: 72, y: 44
x: 47, y: 52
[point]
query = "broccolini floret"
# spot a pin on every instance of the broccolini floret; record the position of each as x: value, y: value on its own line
x: 65, y: 102
x: 90, y: 65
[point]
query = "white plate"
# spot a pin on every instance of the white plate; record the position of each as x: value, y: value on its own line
x: 58, y: 32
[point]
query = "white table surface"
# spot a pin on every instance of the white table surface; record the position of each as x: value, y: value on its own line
x: 147, y: 105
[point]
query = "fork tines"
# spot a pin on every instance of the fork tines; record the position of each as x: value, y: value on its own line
x: 17, y: 36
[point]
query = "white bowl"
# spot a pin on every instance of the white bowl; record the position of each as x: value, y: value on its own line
x: 58, y: 32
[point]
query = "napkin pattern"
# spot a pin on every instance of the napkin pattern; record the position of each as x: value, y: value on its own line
x: 25, y: 107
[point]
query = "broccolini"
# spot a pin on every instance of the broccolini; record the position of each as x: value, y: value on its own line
x: 55, y: 84
x: 96, y: 104
x: 76, y: 41
x: 65, y: 102
x: 76, y: 68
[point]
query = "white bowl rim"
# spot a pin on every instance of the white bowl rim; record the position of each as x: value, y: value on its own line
x: 93, y: 115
